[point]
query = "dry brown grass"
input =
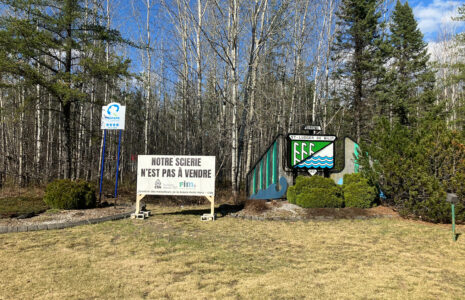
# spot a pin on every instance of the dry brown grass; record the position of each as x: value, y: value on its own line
x: 175, y: 255
x: 12, y: 191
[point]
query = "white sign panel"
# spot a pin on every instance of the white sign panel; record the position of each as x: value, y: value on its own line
x: 176, y: 175
x: 113, y: 116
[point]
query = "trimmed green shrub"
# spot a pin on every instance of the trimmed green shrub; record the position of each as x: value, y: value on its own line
x: 291, y: 195
x: 352, y: 178
x: 320, y: 197
x: 357, y: 191
x: 315, y: 191
x: 301, y: 182
x: 67, y: 194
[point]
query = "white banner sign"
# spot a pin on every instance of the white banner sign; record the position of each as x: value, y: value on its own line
x: 176, y: 175
x: 300, y: 137
x: 113, y: 116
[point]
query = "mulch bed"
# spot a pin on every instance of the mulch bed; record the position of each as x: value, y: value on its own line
x: 282, y: 210
x: 67, y: 216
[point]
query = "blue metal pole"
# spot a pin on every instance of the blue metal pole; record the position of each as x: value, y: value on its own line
x: 103, y: 163
x: 117, y: 165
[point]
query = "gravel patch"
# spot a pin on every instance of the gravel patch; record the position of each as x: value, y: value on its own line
x: 64, y: 219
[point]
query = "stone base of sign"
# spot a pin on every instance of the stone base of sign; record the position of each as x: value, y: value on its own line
x: 141, y: 215
x: 207, y: 217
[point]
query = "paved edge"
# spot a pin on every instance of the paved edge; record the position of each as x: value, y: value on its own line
x: 300, y: 218
x: 36, y: 227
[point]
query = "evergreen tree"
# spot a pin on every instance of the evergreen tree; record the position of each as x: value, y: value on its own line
x: 47, y: 42
x: 412, y: 79
x: 358, y: 47
x: 460, y: 38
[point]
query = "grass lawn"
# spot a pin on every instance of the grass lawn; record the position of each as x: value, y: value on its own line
x: 14, y: 206
x: 175, y: 255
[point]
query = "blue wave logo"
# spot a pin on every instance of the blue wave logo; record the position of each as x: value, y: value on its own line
x: 112, y: 111
x: 317, y: 162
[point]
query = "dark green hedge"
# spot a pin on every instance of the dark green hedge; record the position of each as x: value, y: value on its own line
x: 315, y: 191
x: 67, y: 194
x: 357, y: 191
x: 320, y: 197
x: 416, y: 165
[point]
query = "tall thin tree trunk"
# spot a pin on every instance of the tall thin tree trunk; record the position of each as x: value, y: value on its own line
x: 199, y: 72
x: 253, y: 83
x: 317, y: 67
x: 148, y: 87
x: 233, y: 26
x: 79, y: 142
x: 66, y: 105
x: 299, y: 30
x: 21, y: 139
x: 107, y: 52
x: 4, y: 149
x: 48, y: 153
x: 38, y: 132
x: 185, y: 85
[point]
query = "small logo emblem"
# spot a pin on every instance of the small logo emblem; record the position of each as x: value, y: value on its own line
x: 157, y: 184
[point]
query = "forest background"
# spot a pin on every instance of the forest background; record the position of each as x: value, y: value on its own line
x: 224, y: 78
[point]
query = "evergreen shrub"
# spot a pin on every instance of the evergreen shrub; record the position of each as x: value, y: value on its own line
x: 67, y: 194
x: 415, y: 166
x: 315, y: 191
x: 319, y: 198
x: 357, y: 191
x: 291, y: 195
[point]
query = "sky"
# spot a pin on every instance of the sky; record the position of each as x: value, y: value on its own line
x: 435, y: 16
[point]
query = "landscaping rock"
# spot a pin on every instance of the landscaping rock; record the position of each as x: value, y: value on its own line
x: 42, y: 227
x: 22, y: 228
x: 32, y: 228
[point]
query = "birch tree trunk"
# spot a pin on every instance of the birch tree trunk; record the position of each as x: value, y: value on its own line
x: 38, y: 131
x: 233, y: 39
x: 200, y: 13
x: 148, y: 81
x: 330, y: 37
x: 20, y: 140
x: 255, y: 52
x: 107, y: 52
x: 4, y: 150
x: 48, y: 153
x: 300, y: 27
x: 317, y: 69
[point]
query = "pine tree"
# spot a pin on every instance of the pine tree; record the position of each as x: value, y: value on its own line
x: 460, y: 39
x: 413, y: 80
x: 47, y: 42
x: 358, y: 47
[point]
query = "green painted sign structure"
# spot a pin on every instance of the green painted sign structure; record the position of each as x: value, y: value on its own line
x: 266, y: 179
x: 266, y: 170
x: 311, y: 151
